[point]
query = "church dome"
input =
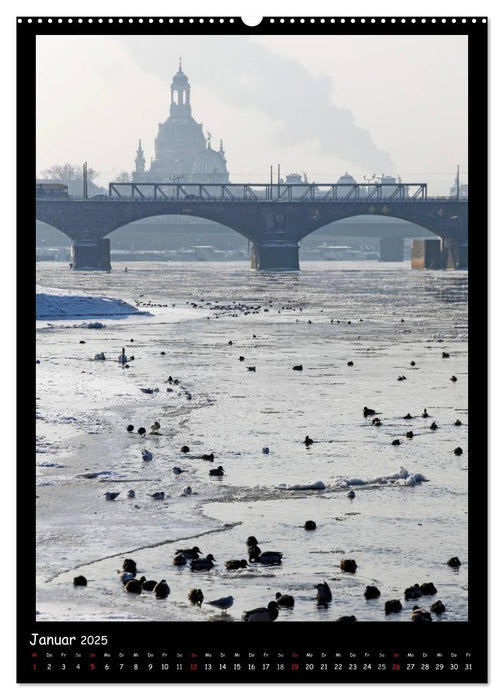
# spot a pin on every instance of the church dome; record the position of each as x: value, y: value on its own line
x: 346, y: 179
x: 210, y: 163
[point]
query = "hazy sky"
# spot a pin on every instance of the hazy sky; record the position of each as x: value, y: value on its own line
x: 322, y: 105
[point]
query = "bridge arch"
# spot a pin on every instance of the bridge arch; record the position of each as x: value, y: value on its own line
x: 382, y: 221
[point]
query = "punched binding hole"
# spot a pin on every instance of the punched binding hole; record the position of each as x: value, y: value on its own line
x: 251, y: 21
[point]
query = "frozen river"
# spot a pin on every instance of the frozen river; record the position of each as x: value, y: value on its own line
x: 202, y: 318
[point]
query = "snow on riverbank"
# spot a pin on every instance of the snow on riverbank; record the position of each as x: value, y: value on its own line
x: 58, y: 304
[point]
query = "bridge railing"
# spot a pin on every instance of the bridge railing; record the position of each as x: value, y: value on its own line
x: 256, y: 192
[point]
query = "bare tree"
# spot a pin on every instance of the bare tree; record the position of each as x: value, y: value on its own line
x: 124, y: 177
x: 69, y: 173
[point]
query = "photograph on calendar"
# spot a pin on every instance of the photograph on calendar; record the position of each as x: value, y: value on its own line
x: 252, y: 326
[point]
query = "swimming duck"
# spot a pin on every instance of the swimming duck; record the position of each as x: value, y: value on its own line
x: 251, y: 369
x: 192, y: 553
x: 438, y: 607
x: 445, y: 354
x: 268, y: 614
x: 130, y: 565
x: 284, y: 601
x: 351, y: 494
x: 258, y: 557
x: 324, y: 594
x: 133, y: 585
x: 195, y: 595
x: 412, y: 363
x: 203, y: 564
x: 310, y: 525
x: 410, y: 434
x: 408, y: 416
x: 395, y: 442
x: 80, y: 581
x: 218, y: 471
x: 425, y: 414
x: 184, y: 449
x: 457, y: 422
x: 141, y: 432
x: 208, y: 458
x: 454, y: 562
x: 111, y: 495
x: 458, y: 451
x: 428, y: 588
x: 157, y: 495
x: 308, y: 441
x: 251, y: 541
x: 413, y: 592
x: 376, y: 421
x: 453, y: 378
x: 241, y: 358
x: 178, y: 470
x: 368, y: 412
x: 222, y: 603
x: 162, y: 589
x: 233, y: 564
x: 179, y: 560
x: 433, y: 426
x: 131, y: 494
x: 371, y: 592
x: 146, y: 456
x: 346, y: 618
x: 265, y: 450
x: 99, y: 356
x: 298, y: 368
x: 350, y: 363
x: 393, y: 606
x: 130, y: 428
x: 187, y: 491
x: 348, y: 565
x: 148, y: 585
x: 420, y: 615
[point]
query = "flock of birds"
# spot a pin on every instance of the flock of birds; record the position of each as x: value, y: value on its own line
x: 269, y: 613
x: 367, y: 412
x: 197, y: 562
x: 147, y: 456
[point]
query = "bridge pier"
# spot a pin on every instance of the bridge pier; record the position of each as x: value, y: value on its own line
x: 427, y: 254
x: 391, y: 250
x: 91, y: 254
x: 275, y: 255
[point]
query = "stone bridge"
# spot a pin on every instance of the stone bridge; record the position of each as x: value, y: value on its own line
x: 274, y: 220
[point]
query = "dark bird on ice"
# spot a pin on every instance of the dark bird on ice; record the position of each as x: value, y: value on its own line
x: 268, y: 614
x: 192, y: 553
x: 324, y: 594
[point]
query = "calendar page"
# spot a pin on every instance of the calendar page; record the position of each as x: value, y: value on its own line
x: 260, y: 326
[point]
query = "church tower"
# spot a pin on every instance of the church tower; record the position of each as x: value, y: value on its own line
x: 181, y: 151
x: 180, y: 94
x: 139, y: 173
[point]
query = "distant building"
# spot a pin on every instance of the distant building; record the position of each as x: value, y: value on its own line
x: 463, y: 190
x: 181, y: 151
x: 345, y: 179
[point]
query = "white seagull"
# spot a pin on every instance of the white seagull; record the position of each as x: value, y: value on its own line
x: 222, y: 603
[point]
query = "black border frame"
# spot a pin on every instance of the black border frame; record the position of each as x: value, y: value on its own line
x: 295, y: 636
